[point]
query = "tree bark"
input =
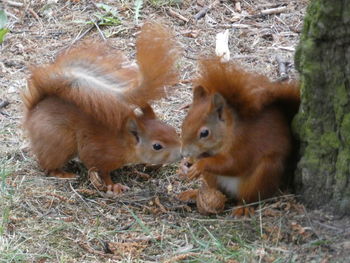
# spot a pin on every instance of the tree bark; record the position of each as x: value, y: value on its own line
x: 323, y: 122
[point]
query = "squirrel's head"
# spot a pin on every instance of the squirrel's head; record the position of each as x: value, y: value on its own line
x: 205, y: 126
x: 156, y: 142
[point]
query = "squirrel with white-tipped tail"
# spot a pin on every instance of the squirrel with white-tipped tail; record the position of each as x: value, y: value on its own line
x: 83, y: 105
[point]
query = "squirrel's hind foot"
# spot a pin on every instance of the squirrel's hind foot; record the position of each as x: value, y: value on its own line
x: 60, y: 174
x: 116, y: 189
x: 240, y: 211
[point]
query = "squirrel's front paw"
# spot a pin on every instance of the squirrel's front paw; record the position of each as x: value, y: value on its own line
x: 195, y: 171
x: 184, y: 167
x: 188, y: 196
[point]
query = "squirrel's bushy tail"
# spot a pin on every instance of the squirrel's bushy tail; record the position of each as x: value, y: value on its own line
x: 248, y: 93
x: 100, y: 80
x: 89, y: 76
x: 157, y: 53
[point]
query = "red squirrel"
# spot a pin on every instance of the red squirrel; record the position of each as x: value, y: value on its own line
x: 83, y: 104
x: 238, y: 130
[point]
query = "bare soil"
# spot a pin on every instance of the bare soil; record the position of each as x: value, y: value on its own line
x: 45, y: 219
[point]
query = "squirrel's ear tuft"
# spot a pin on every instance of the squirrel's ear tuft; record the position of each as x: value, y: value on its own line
x: 133, y: 128
x: 199, y: 92
x: 218, y: 104
x: 148, y: 112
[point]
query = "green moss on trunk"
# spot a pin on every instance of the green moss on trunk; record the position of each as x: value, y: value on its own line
x: 323, y: 122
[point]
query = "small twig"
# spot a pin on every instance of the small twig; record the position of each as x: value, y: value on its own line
x: 5, y: 114
x: 291, y: 49
x: 98, y: 253
x: 264, y: 200
x: 205, y: 10
x: 34, y: 14
x: 177, y: 15
x: 184, y: 107
x: 229, y: 8
x: 126, y: 227
x: 240, y: 26
x: 72, y: 188
x: 4, y: 103
x: 161, y: 207
x: 190, y: 57
x: 282, y: 68
x: 141, y: 174
x: 99, y: 30
x: 272, y: 5
x: 78, y: 37
x: 83, y: 34
x: 311, y: 223
x: 338, y: 229
x: 14, y: 4
x: 12, y: 15
x: 201, y: 13
x: 273, y: 11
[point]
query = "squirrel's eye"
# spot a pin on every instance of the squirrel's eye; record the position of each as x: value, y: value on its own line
x: 157, y: 146
x: 204, y: 133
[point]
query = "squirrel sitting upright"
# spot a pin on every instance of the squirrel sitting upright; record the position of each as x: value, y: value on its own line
x: 84, y: 105
x: 238, y: 131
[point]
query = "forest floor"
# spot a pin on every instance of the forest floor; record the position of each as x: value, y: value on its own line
x: 44, y: 219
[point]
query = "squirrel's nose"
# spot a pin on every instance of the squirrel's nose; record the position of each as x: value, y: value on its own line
x: 184, y: 153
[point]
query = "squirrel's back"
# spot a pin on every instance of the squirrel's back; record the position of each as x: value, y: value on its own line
x: 90, y: 76
x: 102, y: 82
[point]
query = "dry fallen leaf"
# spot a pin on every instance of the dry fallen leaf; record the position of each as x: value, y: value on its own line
x: 221, y: 48
x: 96, y: 180
x: 131, y: 249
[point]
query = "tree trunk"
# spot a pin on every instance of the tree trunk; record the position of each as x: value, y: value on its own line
x: 323, y: 121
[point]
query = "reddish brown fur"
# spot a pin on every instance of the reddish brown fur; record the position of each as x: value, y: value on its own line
x: 157, y: 54
x: 247, y: 92
x: 249, y: 124
x: 155, y: 44
x: 74, y: 107
x: 101, y: 105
